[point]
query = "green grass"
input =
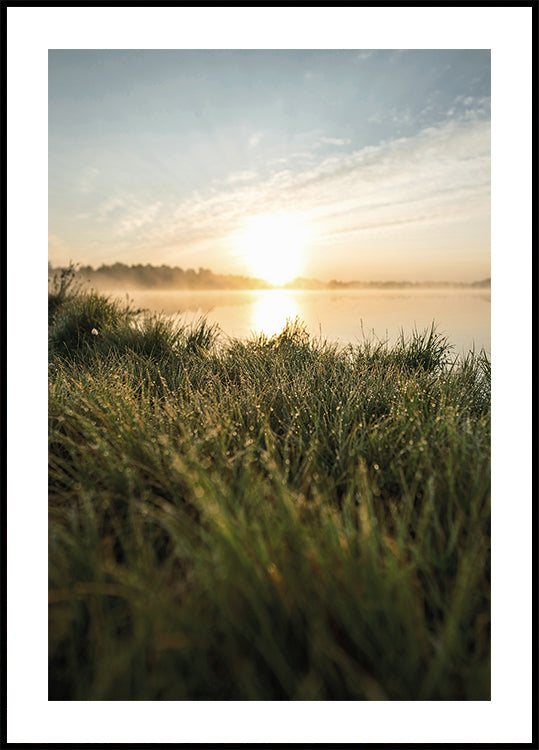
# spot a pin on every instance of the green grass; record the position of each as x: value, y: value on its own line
x: 268, y: 519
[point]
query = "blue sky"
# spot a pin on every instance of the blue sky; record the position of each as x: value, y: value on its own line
x: 160, y: 156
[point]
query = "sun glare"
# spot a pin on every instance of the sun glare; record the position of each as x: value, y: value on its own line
x: 272, y: 309
x: 273, y: 247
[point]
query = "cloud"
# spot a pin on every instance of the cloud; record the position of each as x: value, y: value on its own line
x: 137, y: 219
x: 441, y: 174
x: 461, y: 109
x: 111, y: 205
x: 295, y: 158
x: 244, y: 176
x: 470, y: 107
x: 336, y: 141
x: 255, y: 139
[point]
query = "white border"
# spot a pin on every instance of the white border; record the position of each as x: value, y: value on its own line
x: 31, y: 32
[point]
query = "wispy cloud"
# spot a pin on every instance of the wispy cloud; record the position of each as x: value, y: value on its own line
x: 441, y: 174
x: 244, y: 176
x: 112, y: 204
x: 470, y: 107
x: 335, y: 141
x: 255, y: 139
x: 463, y: 108
x: 138, y: 218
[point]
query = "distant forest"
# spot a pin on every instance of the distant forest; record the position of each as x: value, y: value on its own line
x: 122, y: 276
x: 483, y: 284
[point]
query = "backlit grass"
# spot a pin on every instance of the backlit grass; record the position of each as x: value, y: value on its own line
x: 266, y: 519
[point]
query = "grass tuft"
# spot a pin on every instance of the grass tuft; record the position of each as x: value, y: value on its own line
x: 273, y: 518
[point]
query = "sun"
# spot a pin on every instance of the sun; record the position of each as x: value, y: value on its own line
x: 273, y: 247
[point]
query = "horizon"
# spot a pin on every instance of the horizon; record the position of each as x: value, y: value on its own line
x: 332, y: 164
x: 106, y: 268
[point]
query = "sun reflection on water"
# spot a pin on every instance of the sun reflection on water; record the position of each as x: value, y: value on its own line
x: 271, y: 310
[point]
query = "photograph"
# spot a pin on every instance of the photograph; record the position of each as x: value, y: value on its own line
x: 269, y: 374
x: 269, y: 293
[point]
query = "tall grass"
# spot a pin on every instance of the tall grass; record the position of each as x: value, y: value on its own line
x: 266, y: 519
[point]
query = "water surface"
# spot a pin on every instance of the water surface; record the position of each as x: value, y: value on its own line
x: 347, y: 316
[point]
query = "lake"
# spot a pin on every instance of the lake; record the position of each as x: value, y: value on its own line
x: 346, y: 316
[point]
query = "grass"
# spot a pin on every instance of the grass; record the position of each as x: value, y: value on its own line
x: 264, y: 519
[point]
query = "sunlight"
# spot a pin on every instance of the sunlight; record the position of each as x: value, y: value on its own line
x: 272, y: 309
x: 273, y: 247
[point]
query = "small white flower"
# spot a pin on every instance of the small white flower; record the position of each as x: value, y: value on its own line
x: 95, y: 332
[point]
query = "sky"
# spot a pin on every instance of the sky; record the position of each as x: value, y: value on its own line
x: 374, y: 163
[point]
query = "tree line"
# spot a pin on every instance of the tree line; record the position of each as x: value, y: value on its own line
x: 147, y: 276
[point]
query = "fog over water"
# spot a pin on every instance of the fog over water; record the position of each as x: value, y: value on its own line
x: 345, y: 316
